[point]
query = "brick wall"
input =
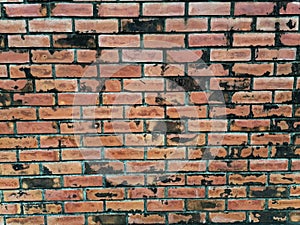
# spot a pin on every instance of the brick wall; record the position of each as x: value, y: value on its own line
x: 149, y: 112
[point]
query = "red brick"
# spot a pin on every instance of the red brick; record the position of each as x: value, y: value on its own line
x: 21, y: 10
x: 142, y: 85
x: 132, y: 205
x: 229, y: 217
x: 59, y: 113
x: 96, y: 26
x: 10, y: 209
x: 105, y: 194
x: 44, y: 56
x: 3, y: 71
x: 269, y: 24
x: 18, y: 142
x: 273, y: 83
x: 39, y: 71
x: 238, y: 165
x: 200, y: 40
x: 249, y: 125
x: 146, y: 219
x: 253, y: 39
x: 284, y: 204
x: 124, y: 153
x: 36, y: 127
x: 39, y: 155
x: 252, y: 97
x: 119, y: 70
x: 61, y: 220
x: 219, y: 179
x: 209, y: 8
x: 102, y: 141
x: 13, y: 57
x: 123, y: 126
x: 81, y: 154
x: 28, y: 41
x: 253, y: 8
x: 272, y: 54
x: 63, y: 168
x: 290, y: 39
x: 6, y: 128
x: 230, y: 54
x: 35, y: 99
x: 142, y: 55
x: 268, y: 165
x: 163, y: 41
x: 246, y: 204
x: 149, y: 166
x: 165, y: 205
x: 48, y: 85
x: 136, y: 193
x: 82, y: 181
x: 227, y: 192
x: 241, y: 69
x: 163, y: 9
x: 187, y: 112
x: 118, y: 10
x: 82, y: 207
x: 77, y: 9
x: 78, y: 99
x: 9, y: 183
x: 59, y: 195
x: 189, y: 25
x: 227, y: 139
x: 18, y: 113
x: 291, y: 8
x: 207, y: 125
x: 126, y: 180
x: 103, y: 112
x: 53, y: 25
x: 28, y: 195
x: 226, y: 24
x: 12, y: 26
x: 186, y: 193
x: 75, y: 71
x: 25, y: 220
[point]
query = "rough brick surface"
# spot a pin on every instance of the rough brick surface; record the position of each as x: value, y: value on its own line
x: 149, y: 112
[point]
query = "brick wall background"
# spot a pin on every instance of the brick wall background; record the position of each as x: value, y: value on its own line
x: 149, y: 112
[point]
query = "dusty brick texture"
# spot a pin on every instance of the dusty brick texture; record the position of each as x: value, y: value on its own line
x: 149, y: 112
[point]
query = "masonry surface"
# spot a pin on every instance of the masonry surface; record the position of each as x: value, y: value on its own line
x: 149, y: 112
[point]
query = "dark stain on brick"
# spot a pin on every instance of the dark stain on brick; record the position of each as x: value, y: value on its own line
x: 39, y: 182
x: 167, y: 179
x: 105, y: 195
x: 160, y: 100
x: 295, y: 69
x: 270, y: 217
x: 270, y: 192
x: 2, y: 41
x: 4, y: 99
x: 18, y: 167
x: 282, y: 4
x: 220, y: 96
x: 75, y: 40
x: 27, y: 73
x: 46, y: 171
x: 137, y: 25
x: 183, y: 140
x: 187, y: 83
x: 101, y: 168
x: 267, y: 107
x: 167, y: 127
x: 290, y: 24
x: 285, y: 151
x: 109, y: 219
